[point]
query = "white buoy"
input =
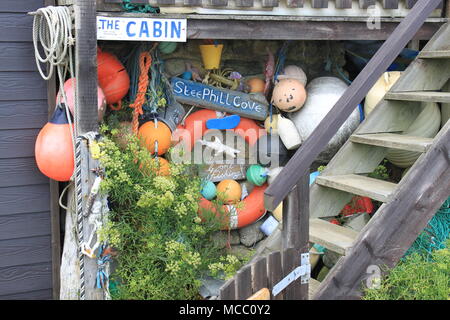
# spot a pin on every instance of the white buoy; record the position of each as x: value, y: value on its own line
x: 288, y: 133
x: 273, y: 173
x: 323, y: 93
x: 379, y: 89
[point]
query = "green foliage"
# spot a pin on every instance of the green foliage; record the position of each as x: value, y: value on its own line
x: 416, y: 278
x: 163, y: 246
x: 380, y: 172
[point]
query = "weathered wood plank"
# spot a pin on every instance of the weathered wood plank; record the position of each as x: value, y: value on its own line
x: 273, y: 3
x: 396, y: 141
x: 259, y: 274
x: 294, y: 3
x: 24, y: 199
x: 45, y: 294
x: 15, y: 252
x: 27, y: 278
x: 25, y: 225
x: 360, y: 185
x: 327, y: 202
x: 424, y: 96
x: 20, y: 6
x: 410, y: 3
x: 333, y: 237
x: 343, y: 4
x: 307, y: 153
x: 364, y: 4
x: 86, y: 66
x: 22, y: 85
x: 396, y: 225
x: 218, y: 3
x: 313, y: 286
x: 165, y: 2
x: 243, y: 283
x: 228, y: 291
x: 443, y: 54
x: 17, y: 56
x: 20, y: 172
x: 319, y: 3
x: 16, y: 27
x: 17, y: 143
x: 390, y: 4
x: 290, y: 262
x: 244, y: 3
x: 23, y: 114
x: 274, y: 272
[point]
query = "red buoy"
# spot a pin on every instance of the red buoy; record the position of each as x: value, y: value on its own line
x: 54, y: 148
x: 112, y: 77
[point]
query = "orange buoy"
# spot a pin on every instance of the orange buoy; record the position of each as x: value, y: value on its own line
x: 229, y: 191
x: 160, y: 168
x: 289, y: 95
x: 54, y: 148
x: 70, y: 94
x: 112, y: 77
x: 155, y: 136
x: 252, y: 209
x: 256, y: 85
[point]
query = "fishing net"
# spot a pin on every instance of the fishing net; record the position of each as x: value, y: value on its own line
x: 435, y: 235
x: 142, y: 8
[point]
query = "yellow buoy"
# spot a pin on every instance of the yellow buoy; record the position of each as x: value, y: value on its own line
x: 379, y: 89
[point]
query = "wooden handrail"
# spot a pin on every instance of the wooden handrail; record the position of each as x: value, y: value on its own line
x: 300, y: 163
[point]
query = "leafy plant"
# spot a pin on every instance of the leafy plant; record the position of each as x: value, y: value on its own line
x: 416, y: 278
x: 380, y: 172
x: 163, y: 246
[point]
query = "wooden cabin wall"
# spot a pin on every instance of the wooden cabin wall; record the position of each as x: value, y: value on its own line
x: 25, y: 228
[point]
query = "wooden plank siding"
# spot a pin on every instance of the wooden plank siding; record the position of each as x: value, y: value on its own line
x: 25, y: 227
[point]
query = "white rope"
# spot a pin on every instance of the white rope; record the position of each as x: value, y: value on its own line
x: 52, y: 28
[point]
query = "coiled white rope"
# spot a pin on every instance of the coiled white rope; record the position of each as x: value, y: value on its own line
x: 52, y: 28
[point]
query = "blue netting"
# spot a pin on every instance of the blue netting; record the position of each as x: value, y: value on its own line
x: 435, y: 235
x: 143, y: 8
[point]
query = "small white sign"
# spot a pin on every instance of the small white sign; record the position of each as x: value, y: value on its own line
x: 141, y: 29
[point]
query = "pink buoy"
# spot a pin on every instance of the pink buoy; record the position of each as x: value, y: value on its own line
x: 69, y: 90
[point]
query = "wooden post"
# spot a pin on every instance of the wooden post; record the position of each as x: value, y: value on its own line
x: 54, y: 196
x: 86, y: 114
x: 296, y: 231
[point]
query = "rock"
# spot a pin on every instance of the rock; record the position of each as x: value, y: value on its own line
x: 330, y: 258
x: 251, y: 234
x: 210, y: 287
x: 357, y: 222
x: 221, y: 238
x: 241, y: 252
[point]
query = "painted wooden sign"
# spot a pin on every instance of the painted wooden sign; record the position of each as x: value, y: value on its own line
x: 219, y: 172
x: 141, y: 29
x: 199, y: 94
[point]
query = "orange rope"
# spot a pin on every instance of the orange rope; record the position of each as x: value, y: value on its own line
x: 145, y: 61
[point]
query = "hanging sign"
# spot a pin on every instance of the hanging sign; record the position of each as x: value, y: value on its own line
x: 219, y: 172
x: 141, y: 29
x: 235, y: 102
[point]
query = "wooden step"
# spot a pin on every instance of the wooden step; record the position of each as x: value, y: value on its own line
x: 312, y: 287
x: 423, y: 96
x: 331, y: 236
x: 392, y: 140
x: 438, y: 54
x: 360, y: 185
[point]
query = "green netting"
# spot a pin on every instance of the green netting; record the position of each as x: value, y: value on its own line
x: 143, y: 8
x: 435, y: 235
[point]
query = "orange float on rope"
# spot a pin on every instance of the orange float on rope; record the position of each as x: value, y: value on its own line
x: 112, y: 77
x: 229, y: 191
x: 252, y: 209
x: 54, y: 148
x: 155, y: 136
x: 195, y: 127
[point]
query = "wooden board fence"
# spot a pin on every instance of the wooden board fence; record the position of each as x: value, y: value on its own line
x: 265, y: 272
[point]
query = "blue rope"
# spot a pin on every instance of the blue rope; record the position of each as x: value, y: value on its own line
x: 102, y: 278
x: 435, y: 235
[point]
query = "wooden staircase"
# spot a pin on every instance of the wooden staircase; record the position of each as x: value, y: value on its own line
x: 346, y: 174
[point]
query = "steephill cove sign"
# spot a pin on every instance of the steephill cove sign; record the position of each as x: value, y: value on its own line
x: 247, y: 105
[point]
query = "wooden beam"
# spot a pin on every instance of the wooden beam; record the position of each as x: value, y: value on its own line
x: 54, y: 196
x: 239, y: 27
x: 86, y: 66
x: 397, y: 224
x: 307, y: 153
